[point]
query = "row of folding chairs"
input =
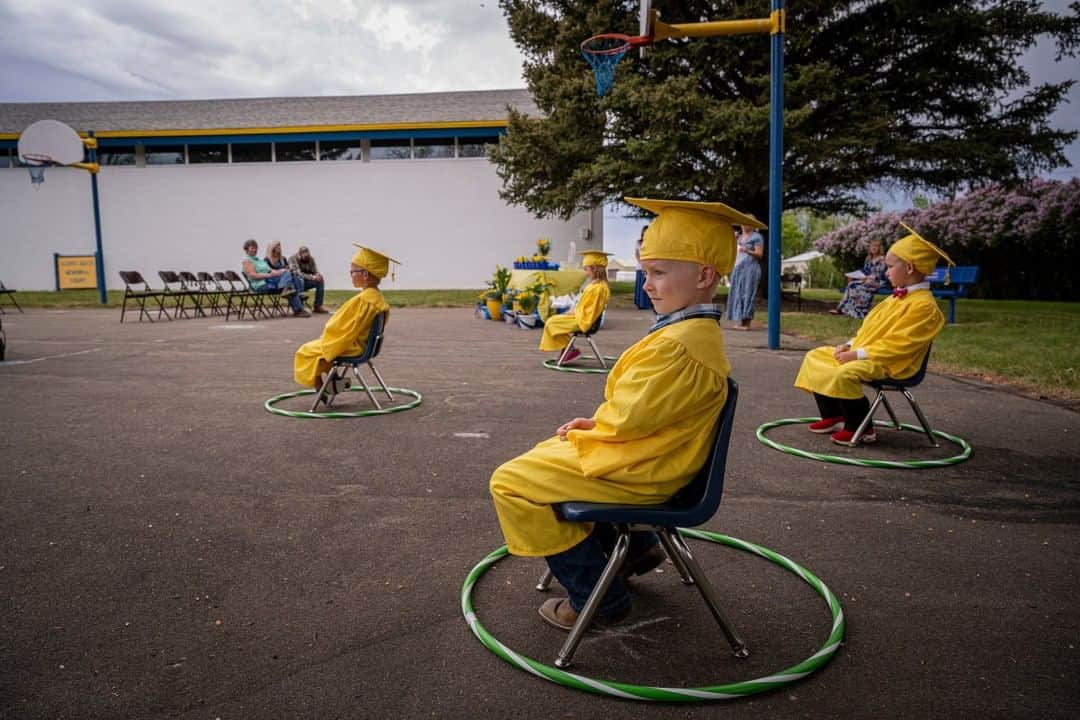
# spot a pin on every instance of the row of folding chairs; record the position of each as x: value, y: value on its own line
x: 190, y: 295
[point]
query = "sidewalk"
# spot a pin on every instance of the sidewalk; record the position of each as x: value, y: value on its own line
x: 171, y: 549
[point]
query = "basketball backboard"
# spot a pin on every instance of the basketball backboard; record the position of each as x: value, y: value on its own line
x: 646, y: 23
x: 50, y: 142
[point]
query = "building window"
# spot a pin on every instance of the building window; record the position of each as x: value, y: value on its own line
x: 433, y: 147
x: 391, y: 149
x: 116, y: 155
x: 5, y: 158
x: 293, y: 151
x: 164, y: 154
x: 208, y: 153
x: 476, y: 146
x: 250, y: 152
x: 340, y: 150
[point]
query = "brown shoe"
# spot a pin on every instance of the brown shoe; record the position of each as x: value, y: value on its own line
x: 645, y: 563
x: 320, y: 310
x: 288, y: 291
x: 558, y: 613
x: 301, y: 313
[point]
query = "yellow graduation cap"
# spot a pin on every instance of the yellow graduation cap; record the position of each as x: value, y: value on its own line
x: 373, y: 261
x: 699, y: 232
x: 920, y: 252
x: 594, y: 257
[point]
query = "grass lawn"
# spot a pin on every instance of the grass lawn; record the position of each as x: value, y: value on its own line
x: 1029, y: 345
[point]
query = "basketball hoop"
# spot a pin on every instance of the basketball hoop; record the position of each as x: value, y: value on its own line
x: 35, y: 165
x: 603, y: 52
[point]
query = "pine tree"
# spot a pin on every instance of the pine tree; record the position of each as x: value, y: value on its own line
x: 925, y: 95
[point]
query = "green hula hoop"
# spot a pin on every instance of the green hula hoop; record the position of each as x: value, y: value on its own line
x: 612, y: 688
x: 965, y: 448
x: 333, y: 414
x: 550, y: 365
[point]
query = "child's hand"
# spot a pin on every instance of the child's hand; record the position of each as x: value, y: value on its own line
x: 575, y: 424
x: 846, y: 356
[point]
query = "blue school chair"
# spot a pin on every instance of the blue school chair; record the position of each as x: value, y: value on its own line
x: 588, y: 338
x: 340, y: 367
x: 691, y: 506
x: 901, y: 386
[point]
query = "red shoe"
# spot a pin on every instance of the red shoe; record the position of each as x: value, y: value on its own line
x: 574, y: 354
x: 827, y: 425
x: 843, y: 437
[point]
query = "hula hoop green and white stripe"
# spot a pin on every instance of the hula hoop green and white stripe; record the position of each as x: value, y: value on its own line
x: 668, y: 694
x: 334, y: 414
x: 965, y: 448
x: 550, y: 365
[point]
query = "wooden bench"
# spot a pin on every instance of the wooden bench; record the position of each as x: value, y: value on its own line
x: 961, y: 277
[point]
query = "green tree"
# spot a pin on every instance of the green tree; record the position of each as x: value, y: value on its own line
x: 925, y: 95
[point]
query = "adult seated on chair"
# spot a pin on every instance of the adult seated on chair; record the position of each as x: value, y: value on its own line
x: 264, y: 278
x: 592, y: 303
x: 346, y: 332
x: 890, y: 343
x: 652, y: 433
x: 302, y: 265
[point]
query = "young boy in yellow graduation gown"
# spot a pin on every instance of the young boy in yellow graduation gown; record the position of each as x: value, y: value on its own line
x: 653, y: 431
x: 891, y: 342
x: 346, y: 332
x: 590, y: 306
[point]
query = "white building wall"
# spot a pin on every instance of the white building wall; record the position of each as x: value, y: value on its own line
x: 442, y: 218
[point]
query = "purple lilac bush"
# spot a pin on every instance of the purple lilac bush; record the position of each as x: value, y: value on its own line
x: 1024, y: 238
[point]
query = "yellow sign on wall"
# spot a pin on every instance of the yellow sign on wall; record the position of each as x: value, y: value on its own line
x: 75, y: 271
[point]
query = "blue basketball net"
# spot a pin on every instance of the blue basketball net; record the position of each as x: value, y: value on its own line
x: 603, y: 53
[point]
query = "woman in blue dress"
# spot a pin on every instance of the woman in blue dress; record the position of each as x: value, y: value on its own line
x: 745, y: 277
x: 860, y: 290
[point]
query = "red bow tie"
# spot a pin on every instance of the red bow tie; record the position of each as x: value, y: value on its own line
x: 899, y: 292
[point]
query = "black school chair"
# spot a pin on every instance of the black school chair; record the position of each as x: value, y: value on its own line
x: 588, y: 338
x: 692, y: 505
x: 901, y: 386
x: 340, y: 366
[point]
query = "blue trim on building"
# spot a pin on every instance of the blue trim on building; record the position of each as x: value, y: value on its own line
x: 300, y: 137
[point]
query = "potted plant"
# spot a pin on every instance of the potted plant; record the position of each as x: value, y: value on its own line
x: 493, y: 296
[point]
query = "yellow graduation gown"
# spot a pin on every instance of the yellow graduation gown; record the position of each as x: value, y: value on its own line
x: 895, y: 335
x: 558, y: 328
x: 653, y: 433
x: 346, y: 333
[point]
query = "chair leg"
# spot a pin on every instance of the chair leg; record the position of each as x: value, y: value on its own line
x: 922, y: 419
x: 676, y: 558
x: 367, y: 389
x: 888, y: 409
x: 611, y: 570
x: 566, y: 350
x: 599, y: 357
x: 382, y: 382
x: 545, y: 580
x: 708, y: 594
x: 868, y: 421
x: 319, y: 396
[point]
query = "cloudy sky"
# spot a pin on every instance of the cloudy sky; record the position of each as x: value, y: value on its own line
x: 64, y: 51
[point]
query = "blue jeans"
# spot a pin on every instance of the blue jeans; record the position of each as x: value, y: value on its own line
x: 579, y: 568
x: 319, y: 289
x: 282, y: 281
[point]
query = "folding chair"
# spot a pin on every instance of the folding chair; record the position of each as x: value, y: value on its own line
x: 212, y: 292
x: 242, y: 293
x: 588, y: 338
x: 692, y: 505
x: 178, y: 295
x: 901, y: 386
x: 10, y: 294
x: 340, y: 367
x: 131, y: 280
x: 278, y: 305
x: 199, y: 295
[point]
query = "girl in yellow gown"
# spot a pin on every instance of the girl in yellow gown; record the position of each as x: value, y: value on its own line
x: 592, y: 303
x: 891, y: 342
x: 346, y: 332
x: 653, y: 431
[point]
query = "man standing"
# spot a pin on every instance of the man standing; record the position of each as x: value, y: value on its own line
x: 303, y: 265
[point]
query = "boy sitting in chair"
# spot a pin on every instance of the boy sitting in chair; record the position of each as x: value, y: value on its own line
x: 590, y: 306
x: 346, y: 332
x: 890, y: 343
x: 652, y: 433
